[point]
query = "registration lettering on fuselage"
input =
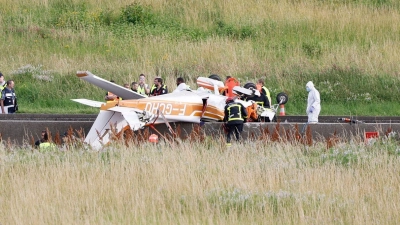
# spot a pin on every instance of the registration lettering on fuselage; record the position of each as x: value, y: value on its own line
x: 166, y: 108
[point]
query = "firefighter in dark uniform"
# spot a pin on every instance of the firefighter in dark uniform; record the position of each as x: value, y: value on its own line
x: 261, y: 99
x: 235, y: 116
x: 8, y: 98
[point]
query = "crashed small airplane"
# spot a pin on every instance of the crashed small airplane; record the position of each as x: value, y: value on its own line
x: 136, y: 111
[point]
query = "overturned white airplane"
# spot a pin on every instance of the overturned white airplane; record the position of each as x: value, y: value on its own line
x: 136, y: 111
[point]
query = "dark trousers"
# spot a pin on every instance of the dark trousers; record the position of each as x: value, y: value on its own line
x: 235, y: 129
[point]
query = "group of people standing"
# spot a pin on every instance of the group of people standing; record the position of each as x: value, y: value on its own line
x: 236, y: 113
x: 8, y: 100
x: 158, y: 87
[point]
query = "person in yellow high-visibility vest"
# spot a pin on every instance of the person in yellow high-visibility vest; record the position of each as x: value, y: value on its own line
x: 264, y: 90
x: 46, y: 145
x: 142, y: 87
x: 2, y: 83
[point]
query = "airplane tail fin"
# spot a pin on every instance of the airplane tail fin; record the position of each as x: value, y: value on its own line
x: 112, y: 121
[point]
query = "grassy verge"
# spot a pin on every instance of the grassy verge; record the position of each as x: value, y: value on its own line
x: 342, y: 92
x: 348, y: 48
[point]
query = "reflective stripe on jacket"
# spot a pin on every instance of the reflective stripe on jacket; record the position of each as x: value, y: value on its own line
x: 235, y: 112
x: 154, y: 87
x: 8, y: 96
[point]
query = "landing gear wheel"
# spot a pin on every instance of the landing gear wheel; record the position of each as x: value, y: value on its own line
x: 282, y: 98
x: 215, y: 77
x: 250, y: 85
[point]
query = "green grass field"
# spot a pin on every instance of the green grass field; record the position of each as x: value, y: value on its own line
x: 349, y: 49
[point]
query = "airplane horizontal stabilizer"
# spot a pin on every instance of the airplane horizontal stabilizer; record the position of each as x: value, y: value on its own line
x: 88, y: 102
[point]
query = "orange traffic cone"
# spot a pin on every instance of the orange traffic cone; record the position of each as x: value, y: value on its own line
x: 282, y: 110
x: 153, y: 138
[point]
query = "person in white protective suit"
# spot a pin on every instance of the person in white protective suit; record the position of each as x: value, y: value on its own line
x: 181, y: 86
x: 313, y: 103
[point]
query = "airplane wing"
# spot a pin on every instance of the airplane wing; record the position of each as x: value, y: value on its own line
x: 116, y: 89
x: 88, y: 102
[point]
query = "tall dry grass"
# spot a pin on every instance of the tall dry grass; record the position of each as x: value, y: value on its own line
x: 203, y: 183
x: 349, y: 49
x: 347, y: 34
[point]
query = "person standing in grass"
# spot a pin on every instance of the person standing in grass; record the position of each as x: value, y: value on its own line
x: 159, y: 88
x: 180, y: 83
x: 235, y: 116
x: 260, y: 99
x: 264, y: 90
x: 8, y: 98
x: 135, y: 86
x: 142, y: 87
x: 155, y: 86
x: 2, y: 82
x: 313, y: 103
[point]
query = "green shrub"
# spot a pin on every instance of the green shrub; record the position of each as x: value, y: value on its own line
x: 234, y: 31
x: 137, y: 14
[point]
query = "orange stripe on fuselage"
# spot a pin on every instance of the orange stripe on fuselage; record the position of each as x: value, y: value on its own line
x: 172, y: 108
x: 214, y: 112
x: 209, y: 86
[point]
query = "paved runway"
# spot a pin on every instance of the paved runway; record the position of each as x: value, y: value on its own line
x: 290, y: 119
x: 22, y: 128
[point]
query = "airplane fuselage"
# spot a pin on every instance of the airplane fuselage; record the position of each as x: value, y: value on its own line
x: 182, y: 106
